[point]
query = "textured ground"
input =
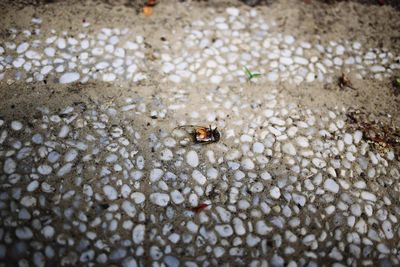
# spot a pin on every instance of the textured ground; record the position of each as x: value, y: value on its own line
x: 93, y: 171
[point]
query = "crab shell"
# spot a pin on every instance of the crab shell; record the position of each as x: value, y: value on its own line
x: 206, y: 135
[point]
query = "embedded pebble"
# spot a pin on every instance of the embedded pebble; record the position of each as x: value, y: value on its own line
x: 32, y: 186
x: 192, y: 158
x: 275, y: 192
x: 258, y: 147
x: 9, y: 166
x: 24, y: 233
x: 110, y: 192
x: 138, y: 197
x: 224, y: 230
x: 138, y: 233
x: 64, y: 170
x: 331, y: 185
x: 69, y: 77
x: 160, y: 199
x: 16, y: 125
x: 22, y: 47
x: 155, y: 175
x: 199, y: 177
x: 45, y: 169
x: 289, y: 148
x: 177, y: 197
x: 48, y: 231
x: 368, y: 196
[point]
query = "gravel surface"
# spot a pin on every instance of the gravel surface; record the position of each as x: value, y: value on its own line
x: 95, y: 170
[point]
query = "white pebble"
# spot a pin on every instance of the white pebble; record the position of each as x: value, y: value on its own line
x: 289, y: 39
x: 18, y: 62
x: 289, y: 148
x: 28, y: 201
x: 109, y: 77
x: 266, y: 176
x: 138, y: 197
x: 177, y: 197
x: 166, y: 155
x: 50, y: 51
x: 70, y: 155
x: 110, y: 192
x: 63, y: 131
x: 9, y: 166
x: 46, y: 69
x: 357, y: 136
x: 16, y: 125
x: 356, y: 45
x: 247, y: 164
x: 61, y: 44
x: 69, y: 77
x: 275, y: 192
x: 300, y: 60
x: 377, y: 68
x: 258, y: 147
x: 262, y: 228
x: 24, y: 233
x: 192, y: 158
x: 175, y: 78
x: 331, y: 185
x: 138, y: 233
x: 232, y: 11
x: 32, y: 186
x: 199, y: 177
x: 224, y: 230
x: 216, y: 79
x: 155, y: 175
x: 302, y: 141
x: 348, y: 139
x: 286, y: 60
x: 160, y: 199
x: 387, y: 229
x: 368, y: 196
x: 32, y: 54
x: 44, y: 169
x: 272, y: 76
x: 48, y: 231
x: 22, y: 48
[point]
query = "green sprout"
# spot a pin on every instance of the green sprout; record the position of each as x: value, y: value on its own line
x: 396, y: 85
x: 250, y: 75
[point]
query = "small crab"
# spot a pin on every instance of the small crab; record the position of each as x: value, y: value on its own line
x: 197, y: 134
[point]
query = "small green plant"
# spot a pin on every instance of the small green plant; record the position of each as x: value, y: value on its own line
x: 250, y: 75
x: 397, y: 82
x: 396, y: 85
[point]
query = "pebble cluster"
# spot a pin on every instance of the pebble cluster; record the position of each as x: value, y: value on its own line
x: 213, y: 50
x: 65, y: 58
x: 218, y: 49
x: 285, y: 186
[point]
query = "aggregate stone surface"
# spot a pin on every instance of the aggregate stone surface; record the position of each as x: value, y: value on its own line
x: 93, y: 171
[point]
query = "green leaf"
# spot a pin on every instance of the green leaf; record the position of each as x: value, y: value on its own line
x: 247, y: 72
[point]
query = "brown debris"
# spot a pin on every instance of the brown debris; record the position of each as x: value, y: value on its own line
x: 344, y: 82
x: 382, y: 136
x: 200, y: 207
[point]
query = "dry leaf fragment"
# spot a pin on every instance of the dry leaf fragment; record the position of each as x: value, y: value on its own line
x: 151, y: 2
x: 147, y: 11
x: 344, y: 82
x: 200, y: 207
